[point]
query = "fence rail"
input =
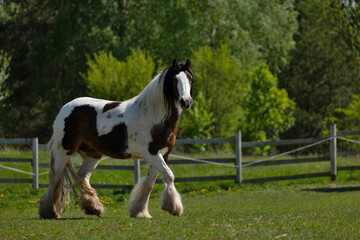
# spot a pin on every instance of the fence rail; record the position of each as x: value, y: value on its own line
x: 236, y: 161
x: 34, y: 161
x: 135, y: 168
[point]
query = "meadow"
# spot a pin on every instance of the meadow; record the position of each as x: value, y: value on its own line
x: 316, y: 208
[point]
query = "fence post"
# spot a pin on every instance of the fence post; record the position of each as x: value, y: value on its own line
x: 238, y: 160
x: 333, y: 152
x: 35, y: 162
x: 136, y: 170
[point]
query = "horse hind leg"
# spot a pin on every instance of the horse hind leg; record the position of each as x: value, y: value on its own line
x: 52, y: 204
x: 89, y: 200
x: 139, y: 198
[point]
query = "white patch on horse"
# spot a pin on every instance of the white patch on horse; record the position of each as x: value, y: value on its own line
x: 183, y: 86
x: 164, y: 150
x: 170, y: 135
x: 108, y: 120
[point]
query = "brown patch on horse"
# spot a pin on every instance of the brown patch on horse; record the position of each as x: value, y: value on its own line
x: 85, y: 150
x: 110, y: 106
x: 80, y: 130
x: 76, y: 124
x: 164, y: 134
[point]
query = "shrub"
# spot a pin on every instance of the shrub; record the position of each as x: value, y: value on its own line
x: 268, y: 109
x: 197, y: 122
x: 221, y: 78
x: 110, y: 78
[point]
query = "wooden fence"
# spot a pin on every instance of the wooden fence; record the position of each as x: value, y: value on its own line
x: 34, y: 143
x: 237, y: 162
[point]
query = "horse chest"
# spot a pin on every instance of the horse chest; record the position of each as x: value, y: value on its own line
x: 163, y: 136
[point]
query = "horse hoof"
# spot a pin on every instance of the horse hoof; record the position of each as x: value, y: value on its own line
x: 49, y: 215
x: 94, y: 212
x: 93, y: 208
x: 141, y: 215
x: 176, y: 209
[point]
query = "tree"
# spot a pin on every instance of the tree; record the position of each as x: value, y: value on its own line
x: 347, y: 16
x: 48, y: 42
x: 253, y: 29
x: 4, y: 93
x: 348, y: 118
x: 324, y: 72
x: 238, y: 99
x: 4, y: 74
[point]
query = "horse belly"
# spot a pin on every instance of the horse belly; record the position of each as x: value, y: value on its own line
x: 115, y: 143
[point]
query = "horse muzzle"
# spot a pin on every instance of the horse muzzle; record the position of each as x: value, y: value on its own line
x: 186, y: 103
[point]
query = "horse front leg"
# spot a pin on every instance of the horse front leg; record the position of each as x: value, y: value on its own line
x: 139, y: 198
x: 170, y: 198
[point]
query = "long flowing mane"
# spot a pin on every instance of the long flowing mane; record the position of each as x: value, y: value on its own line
x: 156, y: 98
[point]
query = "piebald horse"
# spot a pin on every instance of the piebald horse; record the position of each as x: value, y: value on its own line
x: 142, y: 127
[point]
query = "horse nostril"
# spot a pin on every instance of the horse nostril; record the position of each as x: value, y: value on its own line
x: 182, y: 103
x: 185, y: 104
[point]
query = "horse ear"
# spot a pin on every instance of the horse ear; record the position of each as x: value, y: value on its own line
x: 175, y: 63
x: 188, y: 64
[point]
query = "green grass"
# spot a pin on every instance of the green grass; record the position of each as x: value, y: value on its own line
x: 247, y: 212
x: 295, y: 209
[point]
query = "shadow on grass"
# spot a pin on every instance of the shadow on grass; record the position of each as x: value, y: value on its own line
x: 61, y: 219
x: 334, y: 189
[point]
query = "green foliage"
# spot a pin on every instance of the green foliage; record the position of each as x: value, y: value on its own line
x: 49, y: 41
x: 324, y: 72
x: 4, y: 74
x: 251, y: 101
x: 4, y: 92
x: 110, y: 78
x: 268, y: 110
x: 347, y: 16
x: 348, y: 118
x: 253, y: 29
x: 221, y: 78
x: 197, y: 122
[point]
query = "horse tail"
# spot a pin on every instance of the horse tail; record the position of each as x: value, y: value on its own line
x: 58, y: 182
x: 50, y: 143
x: 53, y: 203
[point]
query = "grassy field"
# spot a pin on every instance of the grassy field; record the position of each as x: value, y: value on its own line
x: 298, y: 209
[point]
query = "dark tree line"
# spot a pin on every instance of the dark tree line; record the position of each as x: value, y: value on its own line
x: 310, y: 47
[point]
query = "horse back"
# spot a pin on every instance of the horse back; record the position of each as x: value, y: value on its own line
x: 93, y: 126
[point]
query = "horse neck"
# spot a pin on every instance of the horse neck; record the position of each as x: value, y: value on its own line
x: 153, y: 105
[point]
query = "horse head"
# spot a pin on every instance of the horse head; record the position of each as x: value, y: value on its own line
x: 180, y: 81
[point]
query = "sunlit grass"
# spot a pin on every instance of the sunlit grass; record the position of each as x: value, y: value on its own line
x: 294, y: 209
